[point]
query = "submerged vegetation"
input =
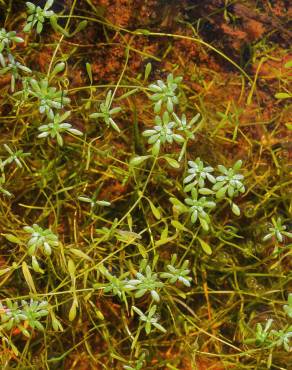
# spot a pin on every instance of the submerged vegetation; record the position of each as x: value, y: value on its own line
x: 153, y: 229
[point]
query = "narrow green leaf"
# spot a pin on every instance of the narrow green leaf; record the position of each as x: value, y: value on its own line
x: 172, y: 162
x: 141, y: 31
x: 136, y: 161
x: 55, y: 322
x: 160, y: 327
x: 127, y: 236
x: 205, y: 191
x: 14, y: 349
x: 89, y: 72
x: 73, y: 311
x: 235, y: 209
x: 85, y: 199
x: 176, y: 202
x: 164, y: 233
x: 154, y: 210
x: 28, y: 278
x: 156, y: 148
x: 103, y: 203
x: 283, y: 95
x: 71, y: 268
x: 206, y: 247
x: 57, y: 326
x: 178, y: 225
x: 58, y: 68
x: 142, y: 250
x: 178, y: 206
x: 204, y: 223
x: 12, y: 238
x: 35, y: 265
x: 80, y: 254
x: 127, y: 94
x: 147, y: 71
x: 237, y: 165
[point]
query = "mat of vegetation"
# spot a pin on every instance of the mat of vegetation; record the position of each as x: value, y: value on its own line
x: 145, y: 184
